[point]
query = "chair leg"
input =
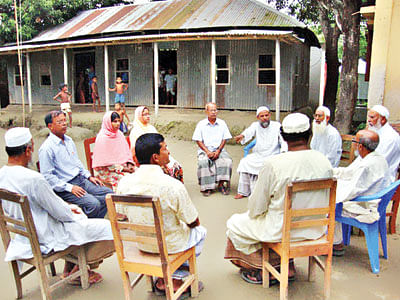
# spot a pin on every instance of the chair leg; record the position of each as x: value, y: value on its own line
x: 372, y: 239
x: 53, y: 269
x: 44, y: 281
x: 83, y: 267
x: 395, y: 207
x: 169, y: 287
x: 17, y: 278
x: 265, y: 272
x: 383, y: 234
x: 311, y: 268
x: 193, y: 270
x: 346, y: 234
x: 150, y: 283
x: 127, y: 284
x: 284, y: 282
x: 327, y: 275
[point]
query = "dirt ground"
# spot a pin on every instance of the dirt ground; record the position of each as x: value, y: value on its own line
x: 351, y: 275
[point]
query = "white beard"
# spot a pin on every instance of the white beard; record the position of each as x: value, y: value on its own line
x: 376, y: 127
x: 356, y: 153
x: 319, y: 128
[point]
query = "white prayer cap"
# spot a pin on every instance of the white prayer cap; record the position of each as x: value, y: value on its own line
x: 380, y: 109
x: 326, y: 110
x: 17, y: 136
x: 295, y: 123
x: 262, y: 108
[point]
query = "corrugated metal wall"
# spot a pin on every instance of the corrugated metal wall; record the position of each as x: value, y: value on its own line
x: 140, y: 91
x: 193, y: 61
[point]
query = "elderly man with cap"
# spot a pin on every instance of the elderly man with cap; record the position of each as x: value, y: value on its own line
x: 60, y: 165
x: 58, y: 224
x: 326, y: 139
x: 214, y: 164
x: 268, y: 142
x: 389, y: 140
x: 264, y: 219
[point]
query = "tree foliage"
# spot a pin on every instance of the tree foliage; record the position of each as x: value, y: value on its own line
x: 35, y: 16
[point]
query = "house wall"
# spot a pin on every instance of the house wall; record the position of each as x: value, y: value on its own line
x: 140, y: 90
x: 193, y: 64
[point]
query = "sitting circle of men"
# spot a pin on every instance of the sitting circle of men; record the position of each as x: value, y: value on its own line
x: 66, y: 198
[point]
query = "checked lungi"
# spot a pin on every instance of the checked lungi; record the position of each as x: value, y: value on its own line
x: 210, y: 172
x: 246, y: 184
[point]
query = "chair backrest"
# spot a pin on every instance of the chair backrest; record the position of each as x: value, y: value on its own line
x: 152, y: 235
x: 385, y: 195
x: 249, y: 146
x: 24, y: 227
x: 89, y: 152
x: 347, y: 149
x: 326, y: 215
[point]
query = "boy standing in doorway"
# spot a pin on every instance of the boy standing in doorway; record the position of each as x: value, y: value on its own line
x: 95, y: 94
x: 170, y: 81
x: 120, y: 88
x: 64, y: 97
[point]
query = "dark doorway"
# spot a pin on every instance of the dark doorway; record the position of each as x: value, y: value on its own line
x: 4, y: 95
x: 84, y: 73
x: 168, y: 77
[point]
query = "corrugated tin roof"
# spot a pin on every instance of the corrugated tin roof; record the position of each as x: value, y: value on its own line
x: 169, y: 15
x: 286, y: 36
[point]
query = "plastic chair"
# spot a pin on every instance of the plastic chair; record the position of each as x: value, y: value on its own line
x: 373, y: 230
x: 249, y: 147
x: 322, y: 216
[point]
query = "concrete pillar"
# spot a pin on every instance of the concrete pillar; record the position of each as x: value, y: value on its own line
x: 106, y: 78
x: 213, y: 72
x: 156, y: 78
x: 277, y: 80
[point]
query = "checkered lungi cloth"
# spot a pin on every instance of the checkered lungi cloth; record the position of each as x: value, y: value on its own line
x: 210, y: 172
x: 246, y: 183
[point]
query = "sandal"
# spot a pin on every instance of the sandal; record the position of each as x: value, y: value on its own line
x: 94, y: 277
x: 257, y: 277
x: 121, y: 217
x: 224, y: 190
x: 206, y: 193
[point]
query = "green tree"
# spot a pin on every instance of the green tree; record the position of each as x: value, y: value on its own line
x: 35, y: 16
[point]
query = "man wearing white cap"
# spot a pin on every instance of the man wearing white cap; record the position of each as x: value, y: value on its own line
x: 268, y: 142
x: 326, y: 139
x: 58, y: 224
x: 264, y: 219
x: 389, y: 140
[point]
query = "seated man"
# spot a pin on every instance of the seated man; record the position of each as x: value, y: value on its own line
x: 58, y: 224
x: 268, y: 142
x: 367, y: 175
x: 181, y: 219
x: 264, y: 219
x: 60, y: 165
x: 389, y: 139
x: 214, y: 166
x: 326, y: 139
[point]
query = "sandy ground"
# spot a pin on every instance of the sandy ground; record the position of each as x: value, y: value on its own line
x: 351, y: 275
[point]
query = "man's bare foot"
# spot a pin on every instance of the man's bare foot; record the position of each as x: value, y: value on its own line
x: 239, y: 196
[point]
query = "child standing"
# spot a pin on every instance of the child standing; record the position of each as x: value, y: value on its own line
x: 95, y: 94
x: 120, y: 88
x: 64, y: 97
x: 122, y: 113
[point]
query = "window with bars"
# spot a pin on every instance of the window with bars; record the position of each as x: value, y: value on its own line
x: 222, y: 62
x: 45, y: 76
x: 122, y: 69
x: 266, y: 69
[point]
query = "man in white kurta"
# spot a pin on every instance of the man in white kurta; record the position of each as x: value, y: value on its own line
x: 389, y: 139
x: 214, y: 164
x: 57, y: 226
x: 367, y: 175
x: 181, y: 219
x: 264, y: 219
x: 326, y: 138
x: 268, y: 142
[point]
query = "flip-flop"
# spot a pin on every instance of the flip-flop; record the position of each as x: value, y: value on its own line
x: 206, y: 193
x: 245, y: 276
x: 224, y: 190
x: 93, y: 278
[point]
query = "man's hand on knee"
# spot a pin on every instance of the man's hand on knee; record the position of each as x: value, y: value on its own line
x: 78, y: 191
x: 96, y: 181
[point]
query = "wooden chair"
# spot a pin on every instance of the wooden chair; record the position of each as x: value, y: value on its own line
x: 131, y: 259
x: 311, y: 248
x: 89, y: 152
x: 26, y: 228
x: 347, y: 149
x: 395, y: 207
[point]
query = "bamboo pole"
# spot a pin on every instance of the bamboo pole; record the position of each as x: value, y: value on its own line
x: 21, y: 75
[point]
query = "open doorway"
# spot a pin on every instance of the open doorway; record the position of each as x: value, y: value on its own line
x: 168, y: 77
x: 84, y: 73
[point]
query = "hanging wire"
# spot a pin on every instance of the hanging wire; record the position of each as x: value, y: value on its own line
x: 21, y: 75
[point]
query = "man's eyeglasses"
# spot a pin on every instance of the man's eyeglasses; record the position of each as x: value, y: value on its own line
x: 355, y: 141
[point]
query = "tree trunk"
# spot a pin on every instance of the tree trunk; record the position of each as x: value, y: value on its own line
x: 349, y: 74
x: 331, y: 34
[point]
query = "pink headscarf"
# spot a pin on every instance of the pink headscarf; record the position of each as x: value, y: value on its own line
x: 111, y: 146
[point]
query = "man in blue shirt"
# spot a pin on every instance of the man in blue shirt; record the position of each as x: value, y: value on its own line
x: 60, y: 165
